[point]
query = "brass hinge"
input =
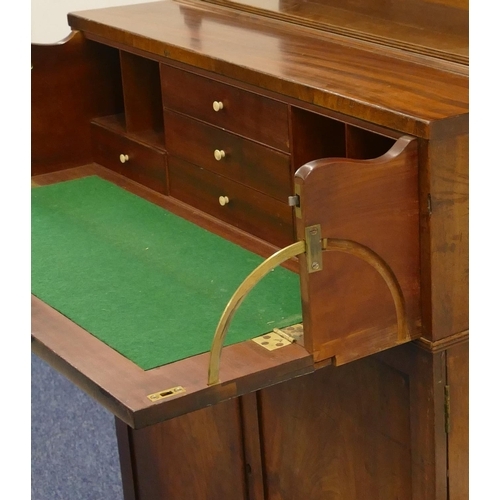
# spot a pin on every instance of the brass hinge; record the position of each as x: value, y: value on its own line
x: 314, y: 248
x: 272, y: 340
x: 294, y: 201
x: 447, y: 408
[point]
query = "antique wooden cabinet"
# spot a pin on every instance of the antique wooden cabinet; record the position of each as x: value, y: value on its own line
x: 337, y: 128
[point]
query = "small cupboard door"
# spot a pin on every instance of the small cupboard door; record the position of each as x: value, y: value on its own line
x: 361, y: 289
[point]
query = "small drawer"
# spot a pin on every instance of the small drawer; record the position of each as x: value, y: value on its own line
x: 136, y: 161
x: 229, y: 155
x: 231, y: 202
x: 250, y: 115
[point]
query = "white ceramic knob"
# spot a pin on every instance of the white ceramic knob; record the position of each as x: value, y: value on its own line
x: 219, y: 154
x: 217, y: 105
x: 123, y: 158
x: 223, y: 200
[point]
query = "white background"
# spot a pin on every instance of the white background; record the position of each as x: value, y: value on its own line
x: 48, y: 17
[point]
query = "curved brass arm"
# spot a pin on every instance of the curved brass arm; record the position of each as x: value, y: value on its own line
x: 251, y: 280
x: 328, y: 244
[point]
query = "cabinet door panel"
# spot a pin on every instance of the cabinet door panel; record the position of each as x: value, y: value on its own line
x: 198, y: 456
x: 338, y: 434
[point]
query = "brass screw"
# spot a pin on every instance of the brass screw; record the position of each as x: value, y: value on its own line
x: 315, y: 266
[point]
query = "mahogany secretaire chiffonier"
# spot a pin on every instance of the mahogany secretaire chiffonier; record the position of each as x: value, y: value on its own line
x: 328, y: 138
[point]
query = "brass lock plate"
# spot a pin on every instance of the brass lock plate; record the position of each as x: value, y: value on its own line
x: 167, y: 393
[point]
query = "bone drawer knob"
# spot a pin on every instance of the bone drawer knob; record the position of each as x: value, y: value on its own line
x: 217, y: 105
x: 223, y: 200
x: 219, y: 154
x: 123, y: 158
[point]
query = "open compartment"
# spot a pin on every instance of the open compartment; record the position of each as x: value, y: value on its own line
x: 142, y: 98
x: 140, y: 114
x: 317, y: 136
x: 362, y: 144
x: 131, y: 142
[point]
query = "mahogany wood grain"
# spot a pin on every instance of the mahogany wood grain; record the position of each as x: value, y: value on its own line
x: 71, y: 82
x: 426, y: 375
x: 362, y: 83
x: 125, y: 453
x: 444, y: 206
x: 252, y: 446
x: 433, y: 27
x: 198, y: 456
x: 145, y: 164
x: 314, y: 136
x: 245, y: 161
x: 247, y: 209
x: 340, y: 433
x: 148, y: 137
x: 141, y: 93
x: 373, y: 428
x: 437, y: 15
x: 348, y: 309
x: 363, y: 144
x: 457, y: 358
x: 245, y: 113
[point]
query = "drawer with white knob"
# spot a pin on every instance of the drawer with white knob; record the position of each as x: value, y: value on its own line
x: 246, y: 113
x: 229, y: 155
x: 139, y: 162
x: 231, y: 202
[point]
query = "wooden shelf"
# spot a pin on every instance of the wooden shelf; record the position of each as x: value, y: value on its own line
x: 116, y: 123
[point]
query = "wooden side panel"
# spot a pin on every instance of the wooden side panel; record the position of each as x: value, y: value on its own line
x: 198, y: 456
x: 71, y: 83
x: 349, y: 310
x: 458, y: 436
x: 315, y: 136
x: 445, y: 236
x: 338, y: 434
x: 125, y: 451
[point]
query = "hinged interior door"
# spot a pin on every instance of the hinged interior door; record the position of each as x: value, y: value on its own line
x: 363, y: 295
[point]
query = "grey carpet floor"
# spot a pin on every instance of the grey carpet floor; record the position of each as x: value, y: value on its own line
x: 74, y: 454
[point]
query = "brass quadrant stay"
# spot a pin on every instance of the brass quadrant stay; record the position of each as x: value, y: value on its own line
x: 251, y: 280
x: 326, y: 244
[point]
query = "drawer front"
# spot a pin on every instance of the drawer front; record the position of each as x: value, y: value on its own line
x: 246, y: 208
x: 136, y: 161
x: 250, y: 115
x: 241, y: 160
